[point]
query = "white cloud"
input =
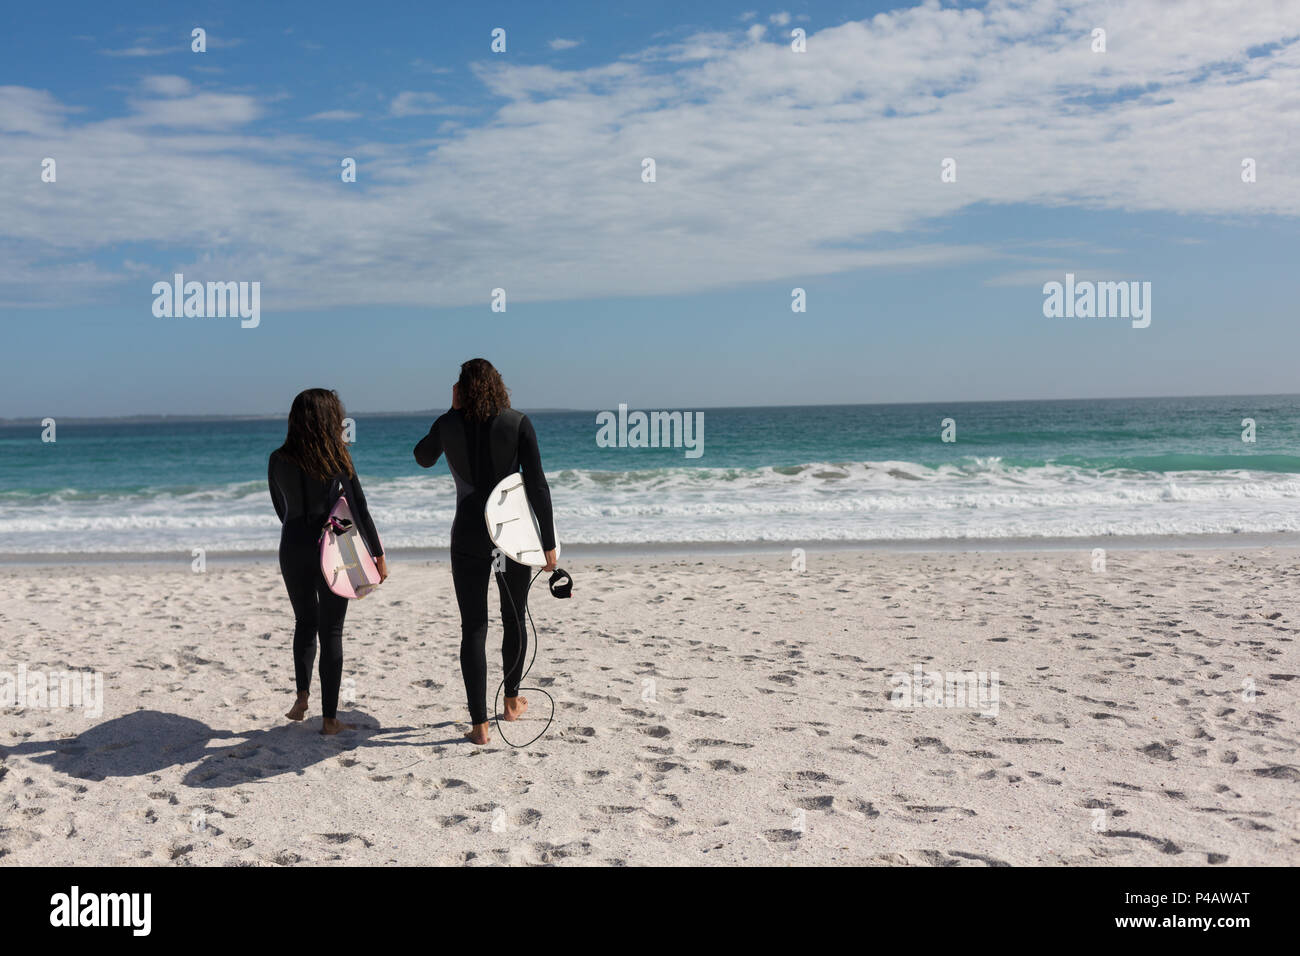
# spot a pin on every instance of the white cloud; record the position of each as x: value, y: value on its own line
x: 165, y: 85
x: 335, y: 115
x: 24, y: 110
x: 409, y: 103
x: 140, y: 50
x: 771, y: 164
x: 559, y: 43
x: 780, y: 19
x: 202, y: 110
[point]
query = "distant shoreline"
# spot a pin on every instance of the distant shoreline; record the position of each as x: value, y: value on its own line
x: 190, y: 419
x: 32, y: 420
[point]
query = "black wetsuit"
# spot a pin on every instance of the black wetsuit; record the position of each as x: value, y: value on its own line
x: 479, y: 455
x: 303, y: 503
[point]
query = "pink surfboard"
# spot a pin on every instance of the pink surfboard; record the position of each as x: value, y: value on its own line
x: 345, y: 560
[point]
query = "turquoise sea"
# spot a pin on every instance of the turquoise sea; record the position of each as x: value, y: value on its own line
x: 805, y: 474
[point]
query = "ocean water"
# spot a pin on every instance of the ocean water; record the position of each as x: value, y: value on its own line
x: 803, y: 475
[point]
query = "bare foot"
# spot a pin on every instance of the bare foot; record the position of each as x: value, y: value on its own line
x: 299, y: 710
x: 330, y: 726
x: 479, y: 734
x: 515, y: 707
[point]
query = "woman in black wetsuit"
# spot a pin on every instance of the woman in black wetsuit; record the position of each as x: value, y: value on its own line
x: 484, y: 440
x: 306, y: 474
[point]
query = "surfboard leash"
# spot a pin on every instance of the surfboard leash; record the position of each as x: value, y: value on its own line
x: 561, y: 587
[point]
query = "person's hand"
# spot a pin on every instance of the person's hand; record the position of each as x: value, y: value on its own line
x: 381, y: 566
x: 550, y: 560
x: 455, y: 395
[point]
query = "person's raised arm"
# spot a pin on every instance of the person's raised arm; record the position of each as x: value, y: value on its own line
x: 429, y: 448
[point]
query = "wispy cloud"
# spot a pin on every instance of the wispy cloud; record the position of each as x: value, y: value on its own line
x: 335, y: 115
x: 211, y: 111
x: 410, y: 103
x: 165, y: 85
x: 559, y: 43
x: 143, y: 51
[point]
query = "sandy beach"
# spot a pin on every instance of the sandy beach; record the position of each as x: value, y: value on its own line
x: 709, y: 709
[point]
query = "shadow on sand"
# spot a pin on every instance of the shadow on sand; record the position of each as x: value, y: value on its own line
x: 148, y: 741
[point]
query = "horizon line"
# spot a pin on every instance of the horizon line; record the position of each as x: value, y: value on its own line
x: 155, y: 417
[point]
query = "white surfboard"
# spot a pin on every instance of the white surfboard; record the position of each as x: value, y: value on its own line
x: 513, y: 526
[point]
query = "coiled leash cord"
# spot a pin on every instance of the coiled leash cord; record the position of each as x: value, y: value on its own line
x: 561, y: 587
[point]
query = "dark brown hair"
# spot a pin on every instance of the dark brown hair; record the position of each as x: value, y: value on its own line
x: 482, y: 392
x: 315, y: 438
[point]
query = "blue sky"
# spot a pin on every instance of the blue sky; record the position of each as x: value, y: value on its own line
x: 522, y: 170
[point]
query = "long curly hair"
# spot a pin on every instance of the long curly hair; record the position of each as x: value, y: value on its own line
x: 315, y: 438
x: 483, y: 393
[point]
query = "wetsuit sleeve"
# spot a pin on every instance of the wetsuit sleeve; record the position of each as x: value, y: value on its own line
x: 277, y: 497
x: 539, y: 493
x: 429, y: 448
x: 361, y: 514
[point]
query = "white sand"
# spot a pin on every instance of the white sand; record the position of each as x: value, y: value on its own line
x: 766, y: 737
